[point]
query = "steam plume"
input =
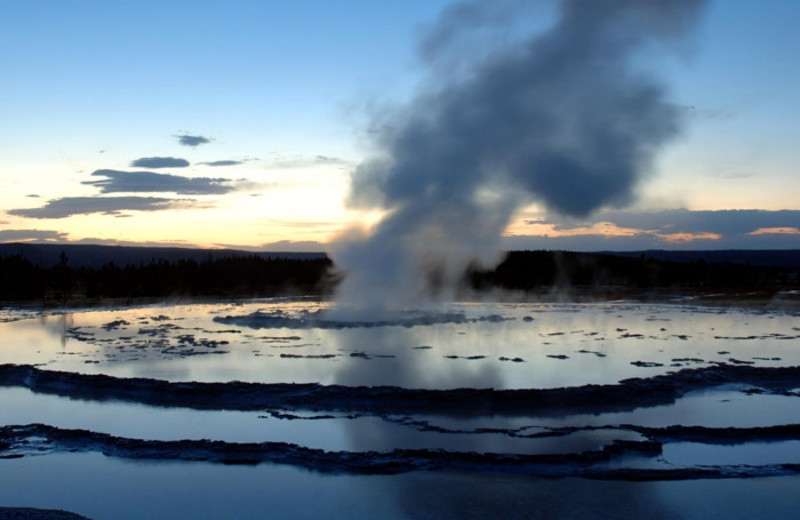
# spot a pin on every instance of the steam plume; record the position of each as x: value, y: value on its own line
x: 562, y: 117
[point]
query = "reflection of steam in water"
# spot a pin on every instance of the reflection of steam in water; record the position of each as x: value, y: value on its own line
x: 406, y: 366
x: 473, y: 496
x: 58, y: 324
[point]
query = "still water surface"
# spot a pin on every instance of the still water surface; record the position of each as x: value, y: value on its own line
x: 494, y: 346
x: 104, y: 488
x: 484, y: 346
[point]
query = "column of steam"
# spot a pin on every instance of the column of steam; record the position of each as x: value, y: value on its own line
x: 561, y: 117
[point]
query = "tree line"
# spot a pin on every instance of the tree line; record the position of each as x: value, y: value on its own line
x: 239, y: 276
x: 536, y: 270
x: 256, y: 275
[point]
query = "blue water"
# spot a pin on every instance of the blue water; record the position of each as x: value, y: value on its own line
x: 107, y: 489
x: 555, y: 345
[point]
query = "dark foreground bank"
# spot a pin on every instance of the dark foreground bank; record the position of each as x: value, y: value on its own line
x: 28, y: 513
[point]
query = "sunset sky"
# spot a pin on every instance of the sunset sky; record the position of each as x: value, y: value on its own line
x: 238, y: 124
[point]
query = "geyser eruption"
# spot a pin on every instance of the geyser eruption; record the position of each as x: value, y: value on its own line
x: 563, y: 117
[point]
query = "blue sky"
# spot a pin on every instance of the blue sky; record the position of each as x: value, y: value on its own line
x: 239, y: 123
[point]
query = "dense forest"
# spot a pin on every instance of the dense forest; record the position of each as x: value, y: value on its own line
x: 235, y: 276
x: 22, y: 278
x: 537, y: 270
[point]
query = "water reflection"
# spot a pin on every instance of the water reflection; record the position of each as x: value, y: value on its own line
x: 110, y: 488
x: 512, y: 497
x: 58, y: 324
x: 386, y: 356
x: 534, y: 346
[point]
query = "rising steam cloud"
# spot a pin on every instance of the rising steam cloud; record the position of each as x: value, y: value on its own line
x: 563, y: 117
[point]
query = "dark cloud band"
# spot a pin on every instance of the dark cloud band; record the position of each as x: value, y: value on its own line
x: 68, y: 206
x: 723, y: 222
x: 222, y: 163
x: 192, y: 140
x: 116, y: 181
x: 14, y: 235
x: 160, y: 162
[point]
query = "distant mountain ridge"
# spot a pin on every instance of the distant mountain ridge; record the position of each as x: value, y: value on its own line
x: 95, y: 256
x: 780, y: 258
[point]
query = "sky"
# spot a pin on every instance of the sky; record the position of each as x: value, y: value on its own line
x: 241, y: 124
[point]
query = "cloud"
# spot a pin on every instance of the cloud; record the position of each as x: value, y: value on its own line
x: 17, y: 235
x: 324, y: 159
x: 674, y: 229
x: 776, y: 231
x: 281, y: 246
x: 130, y: 243
x: 192, y: 140
x: 160, y: 162
x: 724, y: 222
x: 222, y: 163
x: 68, y: 206
x: 643, y: 241
x: 300, y: 246
x: 150, y: 182
x: 308, y: 162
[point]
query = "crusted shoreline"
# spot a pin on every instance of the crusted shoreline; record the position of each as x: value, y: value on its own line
x: 628, y: 394
x: 30, y: 513
x: 19, y: 440
x: 608, y: 461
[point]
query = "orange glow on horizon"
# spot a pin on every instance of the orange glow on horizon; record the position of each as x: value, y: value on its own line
x: 682, y: 238
x: 606, y: 229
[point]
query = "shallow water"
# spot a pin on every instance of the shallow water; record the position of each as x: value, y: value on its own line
x: 529, y: 346
x: 501, y: 346
x: 105, y: 488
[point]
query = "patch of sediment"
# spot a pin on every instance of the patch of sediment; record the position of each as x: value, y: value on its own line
x: 319, y: 320
x: 626, y: 395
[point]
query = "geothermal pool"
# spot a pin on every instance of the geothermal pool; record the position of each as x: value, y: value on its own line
x: 470, y: 410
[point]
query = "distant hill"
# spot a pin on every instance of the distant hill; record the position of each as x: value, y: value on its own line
x: 95, y: 256
x: 642, y: 270
x: 783, y: 258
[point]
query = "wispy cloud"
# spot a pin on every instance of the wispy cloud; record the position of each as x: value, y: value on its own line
x: 159, y: 162
x: 308, y: 162
x: 116, y: 181
x: 68, y: 206
x: 281, y: 246
x: 222, y: 163
x: 20, y: 235
x: 130, y: 243
x: 307, y: 246
x: 192, y: 140
x: 748, y: 228
x: 724, y: 222
x: 776, y: 231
